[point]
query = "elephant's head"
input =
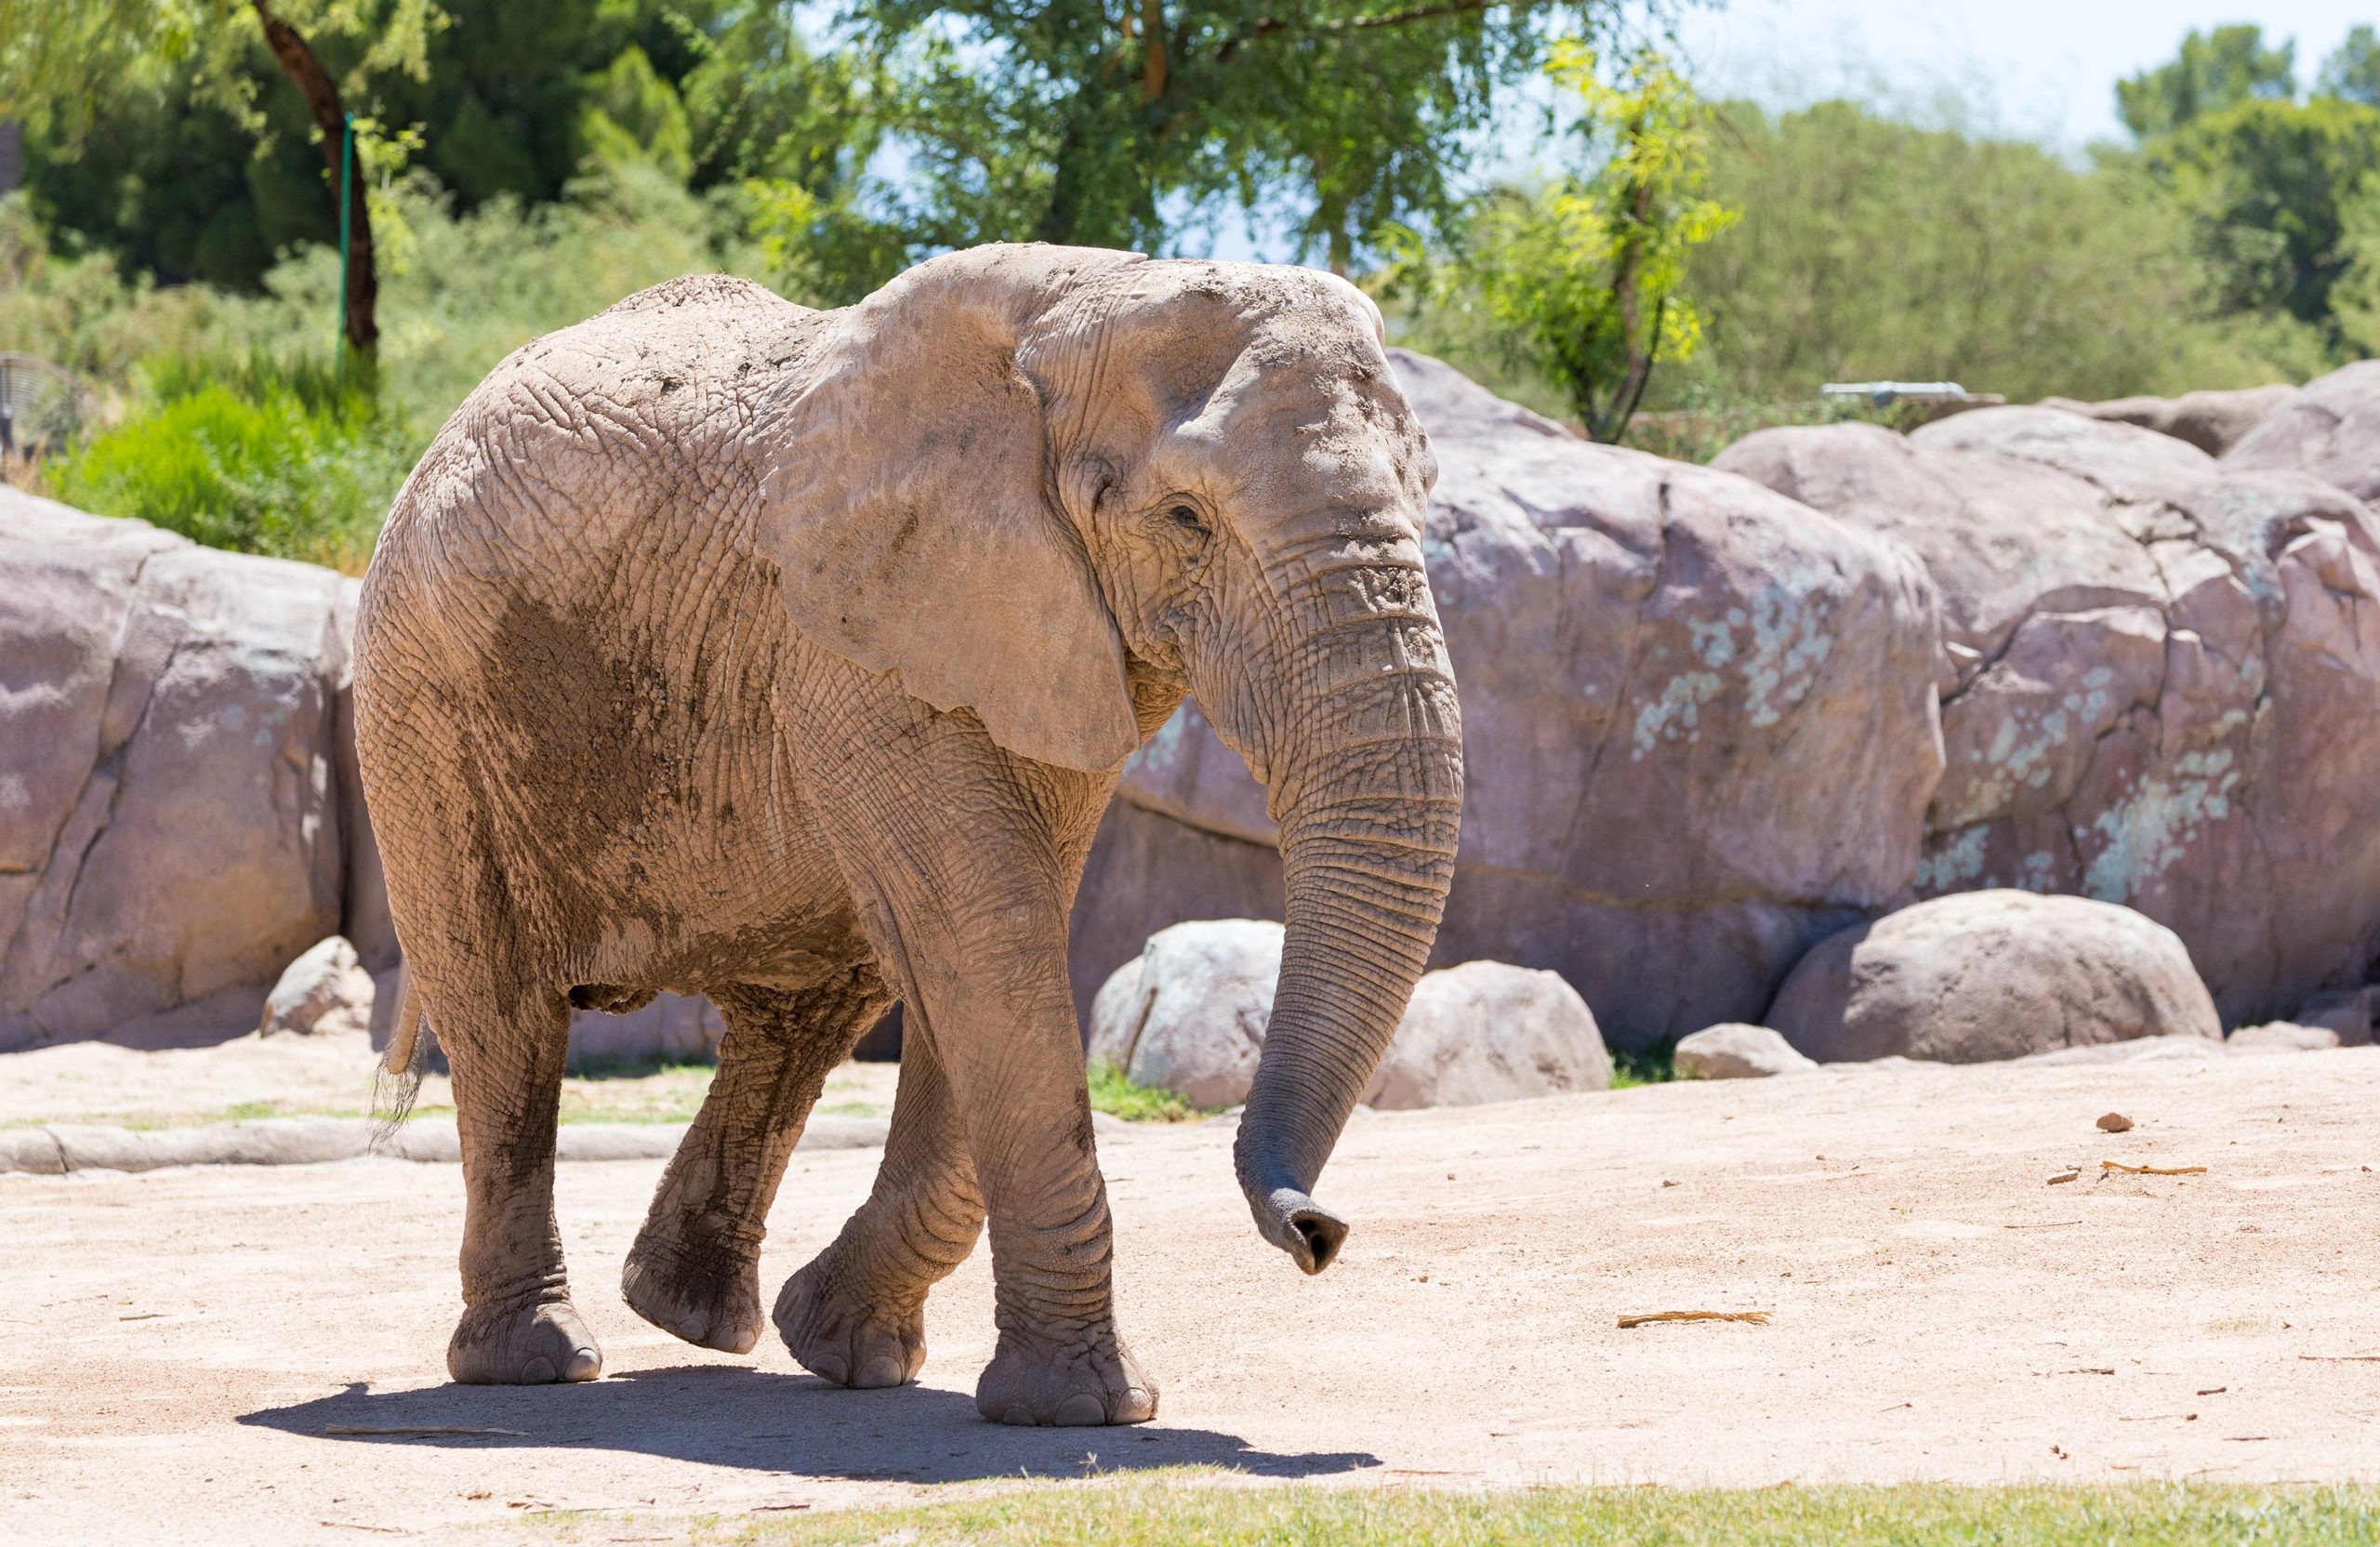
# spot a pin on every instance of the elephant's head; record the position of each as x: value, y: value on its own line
x: 1038, y: 480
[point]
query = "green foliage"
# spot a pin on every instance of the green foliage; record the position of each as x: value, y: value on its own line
x: 1585, y: 277
x: 2352, y: 73
x: 1872, y: 249
x: 2264, y: 186
x: 1112, y: 1091
x: 1185, y: 1506
x: 1648, y: 1066
x: 1069, y: 122
x: 246, y: 455
x: 2215, y: 71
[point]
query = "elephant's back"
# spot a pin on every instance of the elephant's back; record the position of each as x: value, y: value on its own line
x: 596, y: 451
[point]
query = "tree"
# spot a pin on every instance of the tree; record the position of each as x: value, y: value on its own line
x: 2266, y: 186
x: 1116, y: 122
x: 1586, y: 276
x: 2352, y: 73
x: 2215, y: 71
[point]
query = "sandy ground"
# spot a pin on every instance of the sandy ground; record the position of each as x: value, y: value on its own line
x: 328, y: 1076
x: 176, y: 1347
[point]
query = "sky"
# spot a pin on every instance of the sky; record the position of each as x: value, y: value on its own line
x: 2047, y: 68
x: 2043, y: 69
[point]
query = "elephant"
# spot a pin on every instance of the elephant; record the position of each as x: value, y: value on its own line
x: 722, y: 645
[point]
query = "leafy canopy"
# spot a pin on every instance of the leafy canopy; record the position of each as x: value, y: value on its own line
x: 1117, y: 122
x: 1585, y: 277
x: 2215, y: 71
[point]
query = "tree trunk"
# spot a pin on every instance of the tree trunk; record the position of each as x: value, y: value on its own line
x: 313, y: 83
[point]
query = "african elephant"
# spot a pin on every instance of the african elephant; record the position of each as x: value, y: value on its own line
x: 789, y: 656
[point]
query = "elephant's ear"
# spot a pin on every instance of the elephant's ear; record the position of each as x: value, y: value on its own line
x: 907, y: 510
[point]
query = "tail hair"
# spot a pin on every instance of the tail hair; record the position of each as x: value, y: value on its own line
x: 397, y: 1081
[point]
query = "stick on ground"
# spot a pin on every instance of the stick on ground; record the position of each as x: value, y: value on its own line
x: 1758, y: 1319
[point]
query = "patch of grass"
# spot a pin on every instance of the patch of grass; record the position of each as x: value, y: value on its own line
x: 1190, y: 1509
x: 1112, y: 1091
x: 1653, y: 1065
x: 246, y: 454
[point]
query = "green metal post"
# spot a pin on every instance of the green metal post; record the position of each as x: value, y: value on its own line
x: 346, y: 200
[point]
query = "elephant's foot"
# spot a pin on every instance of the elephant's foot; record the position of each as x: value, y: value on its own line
x: 709, y: 1298
x: 534, y: 1344
x: 1068, y: 1386
x: 839, y: 1333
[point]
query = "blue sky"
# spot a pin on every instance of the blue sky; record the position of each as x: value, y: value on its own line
x: 2048, y: 67
x: 2041, y: 69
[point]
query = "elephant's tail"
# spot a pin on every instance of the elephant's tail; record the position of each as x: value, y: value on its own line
x: 398, y: 1080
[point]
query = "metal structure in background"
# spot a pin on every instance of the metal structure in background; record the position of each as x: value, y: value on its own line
x: 41, y: 404
x: 345, y: 226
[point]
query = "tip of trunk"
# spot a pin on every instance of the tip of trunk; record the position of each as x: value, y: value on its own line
x: 1309, y: 1232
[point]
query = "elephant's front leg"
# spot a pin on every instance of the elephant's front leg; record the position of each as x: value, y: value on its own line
x: 694, y: 1270
x: 857, y: 1314
x: 961, y: 860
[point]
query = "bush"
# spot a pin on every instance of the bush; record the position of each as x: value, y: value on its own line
x: 248, y: 456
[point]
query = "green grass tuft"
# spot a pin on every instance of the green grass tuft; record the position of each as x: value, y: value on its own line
x: 1112, y: 1091
x: 1653, y: 1065
x: 1143, y: 1513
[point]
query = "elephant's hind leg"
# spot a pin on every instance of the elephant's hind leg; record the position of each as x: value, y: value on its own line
x: 505, y: 1045
x: 856, y: 1315
x: 694, y: 1270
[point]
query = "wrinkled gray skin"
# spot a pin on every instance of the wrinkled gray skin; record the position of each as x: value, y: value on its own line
x: 790, y: 657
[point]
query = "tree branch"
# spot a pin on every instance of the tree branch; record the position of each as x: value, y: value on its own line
x: 1268, y: 25
x: 305, y: 71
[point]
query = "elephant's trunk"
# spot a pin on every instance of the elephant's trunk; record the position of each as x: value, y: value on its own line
x: 1367, y: 789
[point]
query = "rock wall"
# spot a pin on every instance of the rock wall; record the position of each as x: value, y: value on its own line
x: 2162, y: 679
x: 172, y: 811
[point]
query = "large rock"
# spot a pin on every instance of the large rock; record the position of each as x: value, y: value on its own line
x: 2161, y: 678
x: 1991, y: 975
x: 2329, y: 428
x: 1698, y: 718
x: 1485, y: 1031
x: 2213, y: 422
x: 1189, y: 1015
x: 171, y: 809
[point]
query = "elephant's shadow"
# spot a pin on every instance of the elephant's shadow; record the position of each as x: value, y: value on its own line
x: 798, y: 1425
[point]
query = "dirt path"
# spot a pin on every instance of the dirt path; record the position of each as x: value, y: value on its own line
x: 175, y: 1346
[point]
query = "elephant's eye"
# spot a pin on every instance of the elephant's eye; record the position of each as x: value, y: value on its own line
x: 1187, y: 519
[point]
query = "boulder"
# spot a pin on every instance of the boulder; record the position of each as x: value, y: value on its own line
x: 1699, y: 724
x: 674, y: 1029
x: 2331, y: 428
x: 1188, y: 1014
x: 2213, y: 422
x: 2282, y: 1037
x: 1987, y: 975
x: 172, y: 814
x: 1738, y: 1050
x: 2161, y: 678
x: 2348, y: 1015
x: 324, y: 990
x: 1485, y: 1031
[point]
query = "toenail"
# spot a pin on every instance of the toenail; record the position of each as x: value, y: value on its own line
x: 538, y: 1372
x: 882, y: 1370
x: 1080, y: 1411
x: 1020, y: 1416
x: 585, y: 1364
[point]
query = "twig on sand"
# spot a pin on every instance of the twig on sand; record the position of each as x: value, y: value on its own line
x: 2045, y: 1224
x: 353, y: 1430
x: 2068, y: 1176
x: 1758, y: 1319
x: 2341, y: 1358
x: 2151, y: 1171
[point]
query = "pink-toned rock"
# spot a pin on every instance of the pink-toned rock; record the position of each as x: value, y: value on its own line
x: 2213, y: 422
x: 2161, y: 678
x: 1987, y: 975
x: 1698, y: 727
x: 171, y: 816
x: 2329, y: 428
